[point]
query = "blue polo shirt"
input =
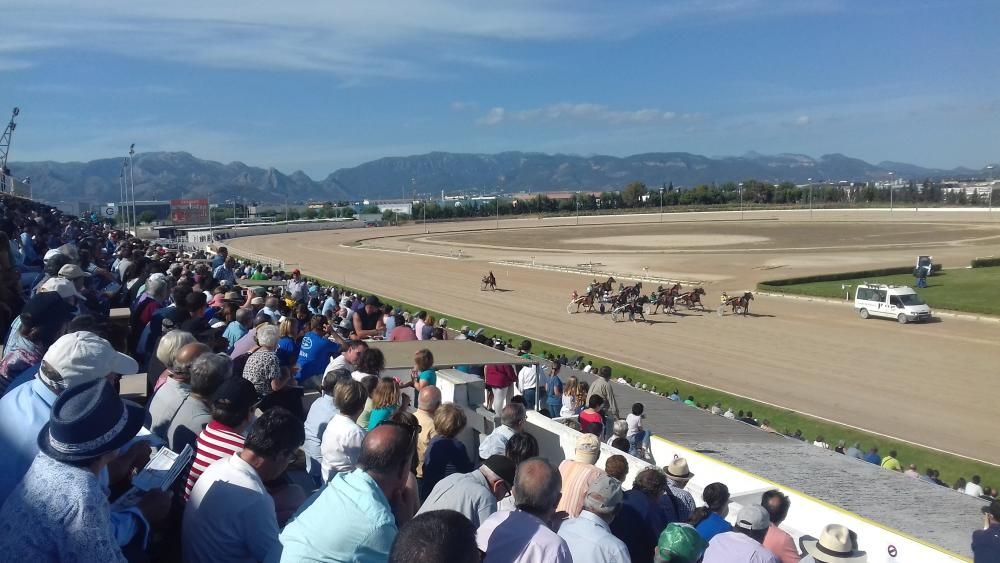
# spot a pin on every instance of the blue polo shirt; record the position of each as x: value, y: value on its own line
x: 314, y: 354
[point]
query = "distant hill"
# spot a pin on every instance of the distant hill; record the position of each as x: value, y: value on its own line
x: 168, y: 175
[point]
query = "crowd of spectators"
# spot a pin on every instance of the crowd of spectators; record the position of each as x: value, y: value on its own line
x: 230, y: 350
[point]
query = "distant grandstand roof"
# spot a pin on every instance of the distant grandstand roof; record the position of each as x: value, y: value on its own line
x: 447, y: 353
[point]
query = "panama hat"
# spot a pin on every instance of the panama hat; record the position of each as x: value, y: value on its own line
x: 678, y: 470
x: 89, y: 420
x: 835, y: 544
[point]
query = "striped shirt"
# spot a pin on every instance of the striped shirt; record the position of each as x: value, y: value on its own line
x: 216, y: 441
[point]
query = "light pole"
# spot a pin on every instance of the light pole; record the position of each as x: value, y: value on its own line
x: 741, y: 200
x: 890, y: 192
x: 810, y: 198
x: 577, y: 198
x: 990, y: 198
x: 425, y: 218
x: 123, y: 206
x: 131, y: 176
x: 661, y: 204
x: 498, y: 211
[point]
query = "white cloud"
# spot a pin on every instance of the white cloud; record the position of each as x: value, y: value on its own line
x: 459, y: 105
x: 577, y: 112
x: 802, y: 120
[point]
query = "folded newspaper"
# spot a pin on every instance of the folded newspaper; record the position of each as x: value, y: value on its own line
x: 160, y: 473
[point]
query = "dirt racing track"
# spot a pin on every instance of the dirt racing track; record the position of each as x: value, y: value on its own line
x: 932, y: 384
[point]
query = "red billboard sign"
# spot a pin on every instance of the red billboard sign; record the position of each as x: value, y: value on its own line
x: 189, y: 211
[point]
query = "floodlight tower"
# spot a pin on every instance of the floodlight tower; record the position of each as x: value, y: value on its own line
x: 5, y: 148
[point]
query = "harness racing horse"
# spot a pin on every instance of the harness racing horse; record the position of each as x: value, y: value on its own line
x: 740, y: 305
x: 665, y: 297
x: 603, y: 287
x: 489, y: 281
x: 632, y: 306
x: 586, y: 301
x: 691, y: 298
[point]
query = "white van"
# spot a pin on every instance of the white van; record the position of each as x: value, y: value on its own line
x: 890, y: 301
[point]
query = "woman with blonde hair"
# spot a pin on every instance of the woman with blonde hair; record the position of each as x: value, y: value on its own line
x: 385, y: 400
x: 288, y: 342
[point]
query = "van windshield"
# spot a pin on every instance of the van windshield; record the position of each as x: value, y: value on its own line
x: 911, y: 299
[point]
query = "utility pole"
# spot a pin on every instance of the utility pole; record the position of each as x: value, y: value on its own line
x: 990, y: 198
x: 810, y: 198
x: 741, y: 200
x: 122, y: 195
x: 661, y: 204
x: 131, y: 175
x: 890, y: 193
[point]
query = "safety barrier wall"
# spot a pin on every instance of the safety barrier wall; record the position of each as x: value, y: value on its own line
x: 806, y: 518
x: 273, y: 229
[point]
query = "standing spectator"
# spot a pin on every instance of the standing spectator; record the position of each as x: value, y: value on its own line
x: 194, y: 412
x: 554, y: 391
x: 592, y: 417
x: 230, y: 515
x: 986, y: 542
x: 60, y: 511
x: 578, y: 474
x: 385, y: 400
x: 512, y: 419
x: 523, y: 535
x: 175, y: 391
x: 500, y: 379
x: 418, y: 325
x: 427, y: 403
x: 570, y: 393
x: 350, y: 357
x: 678, y: 475
x: 232, y: 412
x: 589, y: 536
x: 710, y: 519
x: 602, y: 388
x: 837, y: 543
x: 890, y: 462
x: 445, y: 454
x: 359, y: 502
x: 873, y: 457
x: 528, y: 377
x: 474, y: 494
x: 297, y: 286
x: 641, y: 519
x: 973, y: 488
x: 617, y: 466
x: 423, y: 369
x: 680, y: 543
x: 321, y: 412
x: 778, y: 541
x: 340, y: 446
x: 315, y: 352
x: 743, y: 543
x: 439, y: 535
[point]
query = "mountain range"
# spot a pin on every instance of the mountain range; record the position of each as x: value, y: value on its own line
x: 170, y: 175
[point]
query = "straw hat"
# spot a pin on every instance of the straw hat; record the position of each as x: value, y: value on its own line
x: 835, y: 544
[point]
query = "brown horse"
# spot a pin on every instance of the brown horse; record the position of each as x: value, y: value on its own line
x: 739, y: 304
x: 605, y: 286
x: 692, y: 298
x: 489, y: 281
x: 585, y: 301
x: 665, y: 297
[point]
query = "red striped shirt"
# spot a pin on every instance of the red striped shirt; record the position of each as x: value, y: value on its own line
x: 215, y: 442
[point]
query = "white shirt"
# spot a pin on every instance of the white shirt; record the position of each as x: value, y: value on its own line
x: 230, y: 516
x: 729, y: 414
x: 734, y: 547
x: 634, y: 422
x: 496, y: 442
x: 359, y: 375
x: 588, y: 368
x: 339, y: 362
x: 590, y: 540
x: 973, y: 489
x: 418, y: 327
x: 520, y: 538
x: 568, y: 405
x: 340, y: 446
x: 527, y: 378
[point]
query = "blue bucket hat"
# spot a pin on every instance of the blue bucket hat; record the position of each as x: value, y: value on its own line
x: 89, y: 420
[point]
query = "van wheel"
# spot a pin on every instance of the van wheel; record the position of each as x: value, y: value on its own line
x: 863, y: 313
x: 902, y: 319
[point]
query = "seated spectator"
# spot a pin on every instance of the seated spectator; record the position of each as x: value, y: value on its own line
x: 358, y: 502
x: 891, y: 463
x: 681, y: 502
x: 578, y: 474
x: 385, y: 400
x: 680, y: 543
x: 369, y: 383
x: 438, y: 535
x: 854, y: 451
x: 445, y: 454
x: 986, y: 542
x: 371, y: 363
x: 778, y: 541
x: 316, y: 351
x: 837, y: 543
x: 194, y: 412
x: 428, y: 402
x: 617, y: 466
x: 637, y: 434
x: 340, y: 446
x: 163, y: 363
x: 512, y: 419
x: 621, y: 444
x: 230, y: 516
x: 401, y: 332
x: 238, y: 327
x: 873, y: 457
x: 474, y: 494
x: 321, y: 412
x: 350, y: 358
x: 174, y: 391
x: 592, y: 418
x: 589, y: 536
x: 232, y: 413
x: 641, y: 519
x: 619, y: 429
x: 972, y: 488
x: 60, y: 511
x: 710, y: 519
x: 523, y: 535
x: 743, y: 543
x: 288, y: 343
x: 43, y: 320
x: 262, y: 367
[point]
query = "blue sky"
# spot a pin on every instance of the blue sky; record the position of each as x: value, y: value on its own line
x: 321, y: 84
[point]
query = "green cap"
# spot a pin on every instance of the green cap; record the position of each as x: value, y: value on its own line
x: 680, y: 543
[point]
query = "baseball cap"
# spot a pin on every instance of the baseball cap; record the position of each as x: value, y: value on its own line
x: 753, y: 517
x: 372, y: 300
x: 993, y: 508
x: 257, y: 301
x: 503, y: 467
x: 82, y: 356
x: 236, y: 394
x: 50, y: 254
x: 72, y: 272
x: 61, y: 286
x: 588, y: 449
x: 604, y: 494
x: 48, y: 310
